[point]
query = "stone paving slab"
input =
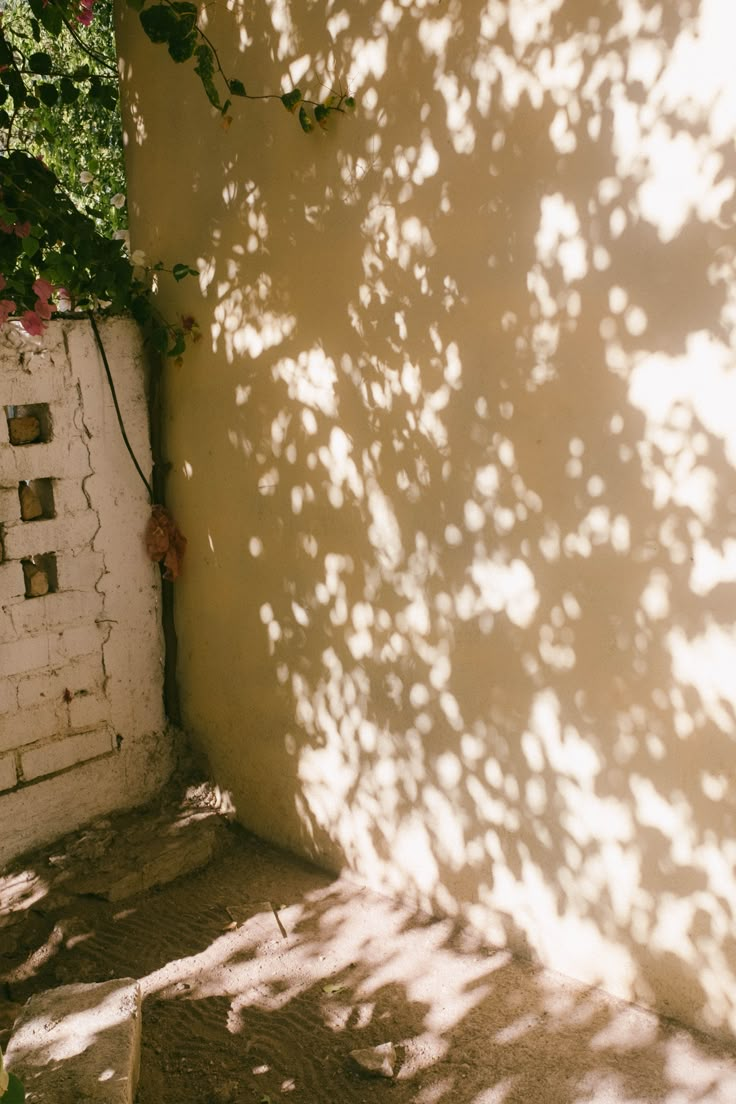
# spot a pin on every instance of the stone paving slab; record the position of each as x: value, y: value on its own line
x: 163, y: 860
x: 79, y: 1044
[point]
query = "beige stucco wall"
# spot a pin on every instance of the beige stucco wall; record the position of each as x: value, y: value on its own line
x: 455, y: 459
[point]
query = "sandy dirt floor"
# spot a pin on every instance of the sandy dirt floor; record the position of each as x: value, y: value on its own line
x: 261, y: 974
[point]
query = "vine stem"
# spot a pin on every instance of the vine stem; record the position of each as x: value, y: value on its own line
x: 264, y: 96
x: 121, y: 423
x: 106, y: 62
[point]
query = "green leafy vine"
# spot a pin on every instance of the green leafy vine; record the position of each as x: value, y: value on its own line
x: 173, y: 23
x: 63, y: 232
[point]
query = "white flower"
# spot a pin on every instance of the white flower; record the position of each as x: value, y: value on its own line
x: 86, y: 177
x: 118, y: 200
x: 139, y: 259
x: 4, y: 1078
x: 122, y: 235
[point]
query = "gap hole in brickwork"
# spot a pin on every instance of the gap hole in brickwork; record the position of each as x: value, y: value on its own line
x: 36, y: 499
x: 40, y: 575
x: 29, y: 425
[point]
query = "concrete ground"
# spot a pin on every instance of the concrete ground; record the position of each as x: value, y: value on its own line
x: 260, y: 975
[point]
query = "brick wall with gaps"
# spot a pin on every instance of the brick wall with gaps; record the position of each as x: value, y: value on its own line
x: 82, y: 729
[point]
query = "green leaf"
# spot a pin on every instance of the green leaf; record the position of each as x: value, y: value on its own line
x: 179, y: 346
x: 320, y: 113
x: 180, y: 271
x: 168, y: 22
x: 237, y: 88
x: 49, y: 15
x: 15, y: 86
x: 109, y: 97
x: 69, y: 90
x: 48, y: 94
x: 350, y: 103
x: 15, y: 1093
x: 291, y: 99
x: 305, y: 121
x: 6, y: 54
x: 40, y: 63
x: 160, y: 338
x: 182, y: 48
x: 82, y: 72
x: 205, y: 70
x: 157, y: 22
x: 141, y: 309
x: 104, y: 93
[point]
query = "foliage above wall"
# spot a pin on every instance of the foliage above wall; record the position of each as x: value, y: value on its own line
x: 63, y: 236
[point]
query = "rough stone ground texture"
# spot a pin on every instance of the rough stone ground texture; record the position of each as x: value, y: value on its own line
x: 260, y: 975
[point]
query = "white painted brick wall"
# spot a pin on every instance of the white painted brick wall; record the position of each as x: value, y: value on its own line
x: 80, y: 641
x: 80, y: 668
x: 76, y: 677
x: 20, y: 727
x: 57, y: 755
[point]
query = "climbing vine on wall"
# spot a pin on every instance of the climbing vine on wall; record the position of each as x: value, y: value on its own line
x: 173, y: 23
x: 63, y: 236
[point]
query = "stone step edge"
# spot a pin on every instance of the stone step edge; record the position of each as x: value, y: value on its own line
x: 79, y: 1042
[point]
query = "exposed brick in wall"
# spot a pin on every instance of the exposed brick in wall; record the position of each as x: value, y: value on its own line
x: 80, y: 642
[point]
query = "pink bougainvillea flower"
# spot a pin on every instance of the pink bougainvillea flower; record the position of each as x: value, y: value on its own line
x: 86, y: 14
x: 42, y: 288
x: 22, y: 229
x: 43, y: 309
x: 31, y: 323
x: 7, y: 307
x: 5, y: 227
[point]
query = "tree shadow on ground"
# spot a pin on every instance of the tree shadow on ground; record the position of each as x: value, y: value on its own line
x: 243, y: 1012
